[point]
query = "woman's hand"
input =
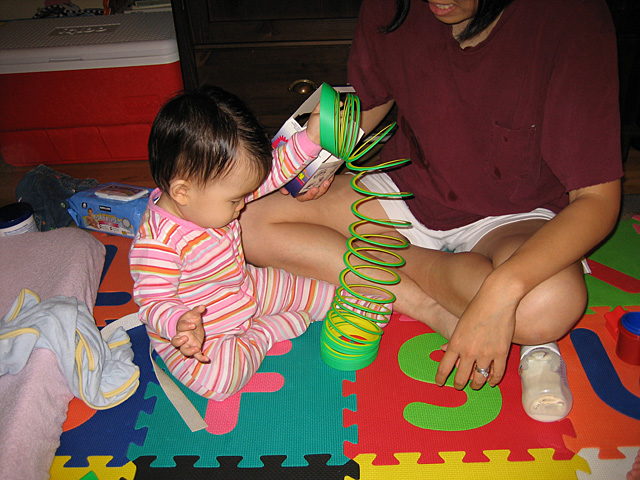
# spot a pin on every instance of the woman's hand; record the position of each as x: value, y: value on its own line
x: 482, y: 339
x: 313, y: 193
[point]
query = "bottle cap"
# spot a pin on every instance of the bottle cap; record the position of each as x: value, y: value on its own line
x: 631, y: 322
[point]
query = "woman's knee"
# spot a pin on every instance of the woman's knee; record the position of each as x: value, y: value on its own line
x: 258, y: 213
x: 549, y: 311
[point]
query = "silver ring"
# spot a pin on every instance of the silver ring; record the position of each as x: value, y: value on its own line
x: 483, y: 371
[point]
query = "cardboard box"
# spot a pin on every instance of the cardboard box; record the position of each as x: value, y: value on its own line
x: 323, y: 167
x: 84, y: 89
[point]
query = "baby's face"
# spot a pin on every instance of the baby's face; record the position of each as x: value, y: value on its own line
x: 220, y: 201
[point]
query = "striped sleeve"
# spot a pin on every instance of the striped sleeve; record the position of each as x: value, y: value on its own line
x: 288, y: 160
x: 155, y: 268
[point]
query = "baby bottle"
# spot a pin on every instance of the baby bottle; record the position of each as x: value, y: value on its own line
x: 545, y: 392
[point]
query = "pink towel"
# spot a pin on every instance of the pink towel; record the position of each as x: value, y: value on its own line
x: 34, y: 403
x: 33, y: 408
x: 67, y: 261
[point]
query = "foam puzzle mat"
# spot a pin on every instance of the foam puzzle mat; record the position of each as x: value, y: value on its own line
x: 298, y: 418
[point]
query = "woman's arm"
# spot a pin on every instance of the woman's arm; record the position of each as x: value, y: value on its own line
x: 565, y: 239
x: 486, y: 329
x: 372, y: 118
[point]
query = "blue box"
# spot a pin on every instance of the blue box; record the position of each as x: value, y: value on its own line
x: 114, y: 208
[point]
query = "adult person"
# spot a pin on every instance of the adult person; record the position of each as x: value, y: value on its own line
x: 508, y: 110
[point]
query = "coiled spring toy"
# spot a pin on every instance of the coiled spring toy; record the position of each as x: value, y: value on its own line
x: 352, y: 331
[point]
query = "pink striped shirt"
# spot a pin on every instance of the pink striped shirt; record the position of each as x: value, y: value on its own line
x: 177, y: 265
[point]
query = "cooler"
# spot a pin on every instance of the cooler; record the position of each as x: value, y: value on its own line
x: 84, y: 89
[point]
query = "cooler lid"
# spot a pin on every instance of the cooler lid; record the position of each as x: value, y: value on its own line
x: 78, y: 43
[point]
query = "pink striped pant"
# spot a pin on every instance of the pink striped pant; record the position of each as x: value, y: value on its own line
x: 286, y: 305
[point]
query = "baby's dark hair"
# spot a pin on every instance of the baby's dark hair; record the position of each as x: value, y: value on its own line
x: 199, y: 136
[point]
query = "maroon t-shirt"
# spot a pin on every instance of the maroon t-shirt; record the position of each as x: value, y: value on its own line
x: 507, y: 126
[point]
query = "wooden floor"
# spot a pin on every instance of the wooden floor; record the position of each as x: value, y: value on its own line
x: 137, y: 173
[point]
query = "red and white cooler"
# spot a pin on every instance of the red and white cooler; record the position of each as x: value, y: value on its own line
x: 84, y: 89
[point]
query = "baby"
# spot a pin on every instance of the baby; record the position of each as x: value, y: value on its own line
x: 211, y: 316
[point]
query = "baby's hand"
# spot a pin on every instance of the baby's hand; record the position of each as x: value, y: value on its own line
x: 313, y: 125
x: 190, y: 335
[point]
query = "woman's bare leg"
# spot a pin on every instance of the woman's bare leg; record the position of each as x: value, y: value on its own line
x: 309, y: 238
x: 550, y: 310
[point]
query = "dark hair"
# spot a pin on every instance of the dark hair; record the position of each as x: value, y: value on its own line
x: 200, y: 135
x: 488, y: 11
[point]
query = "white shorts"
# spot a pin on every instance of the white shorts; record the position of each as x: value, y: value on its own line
x: 461, y: 239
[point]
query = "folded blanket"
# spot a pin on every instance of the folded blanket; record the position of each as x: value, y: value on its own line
x: 101, y: 373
